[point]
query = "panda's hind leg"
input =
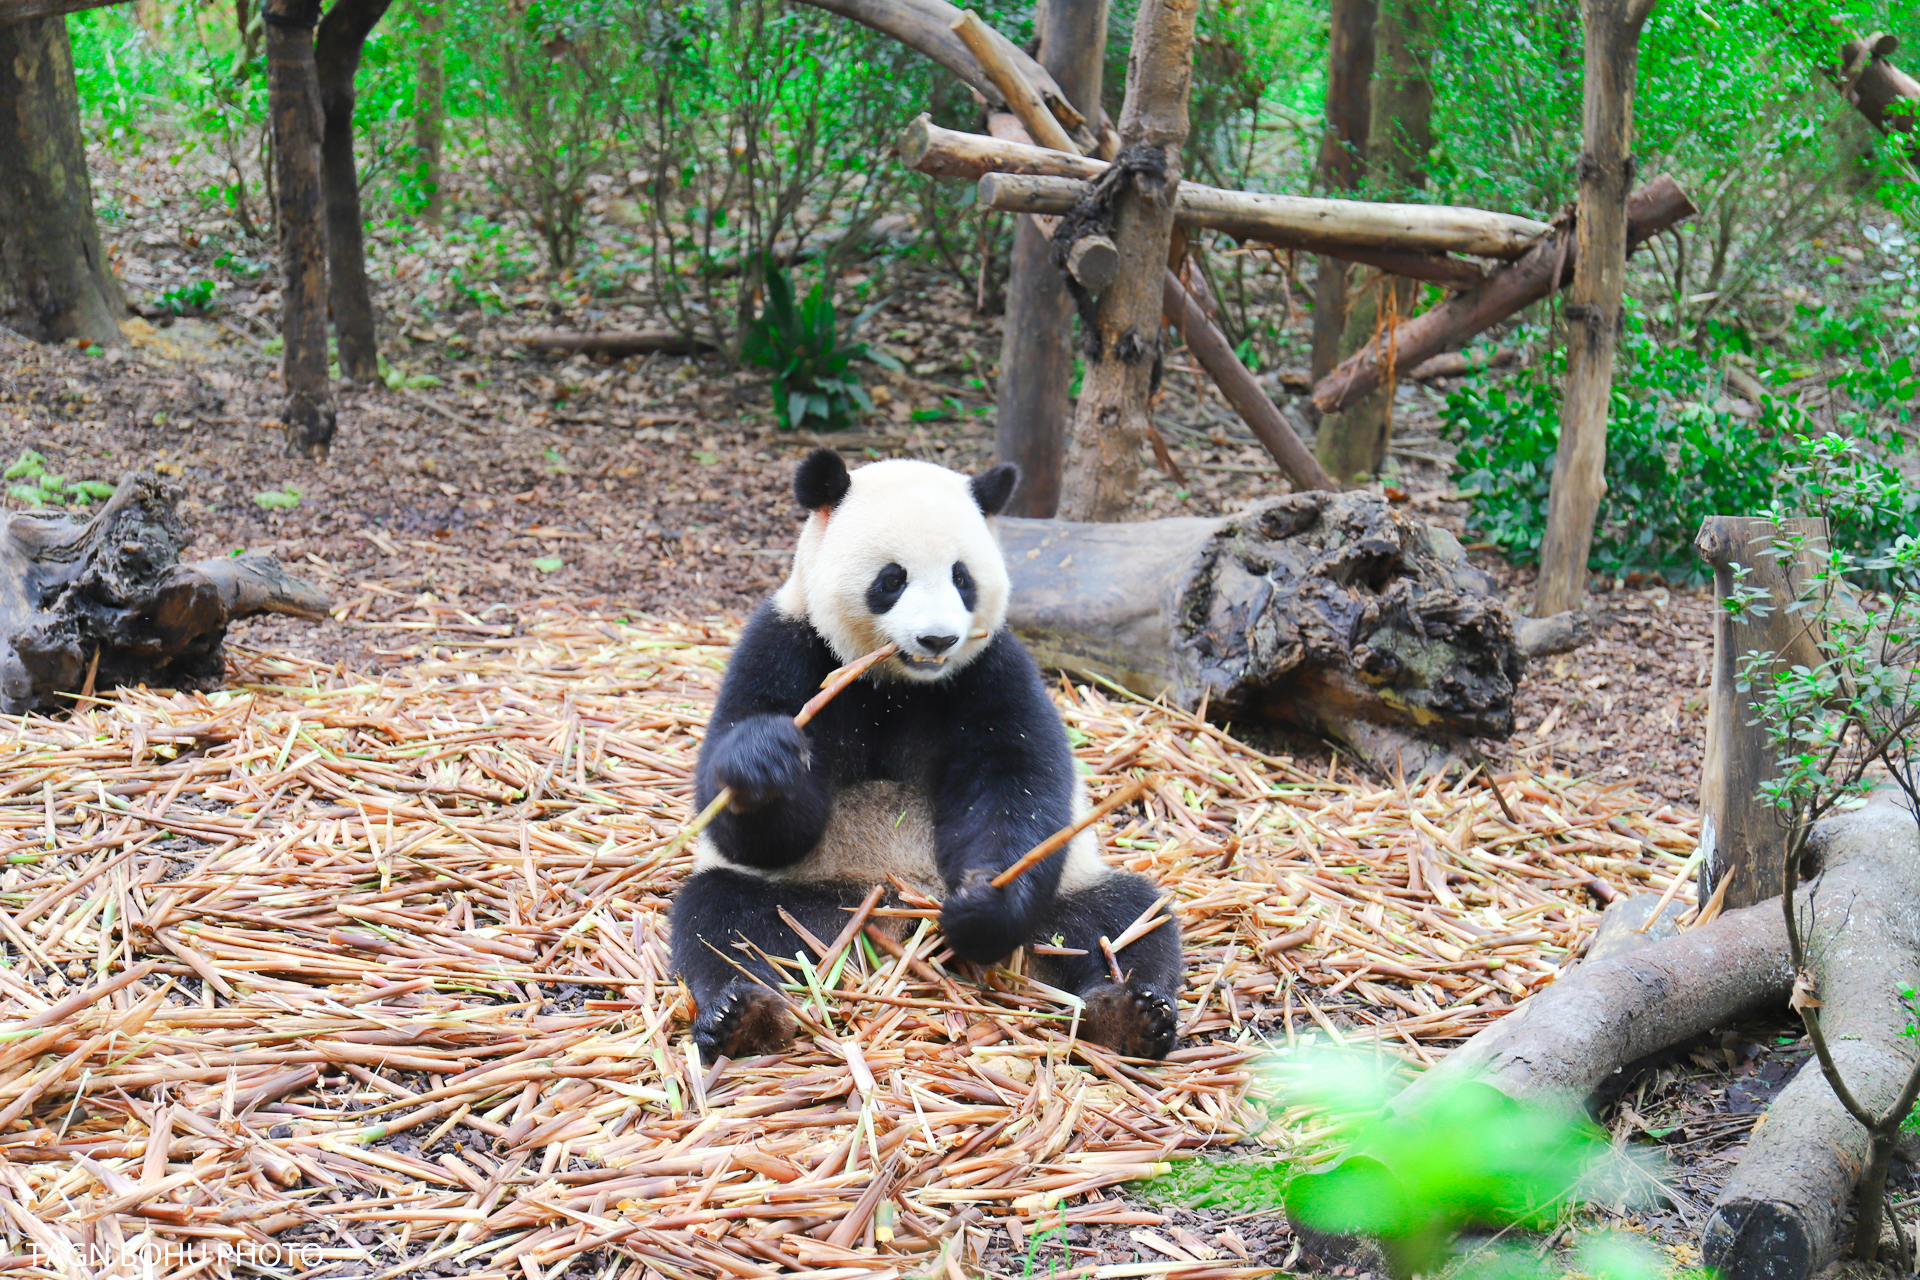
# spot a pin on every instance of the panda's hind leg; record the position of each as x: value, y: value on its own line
x: 736, y: 1016
x: 1134, y: 1016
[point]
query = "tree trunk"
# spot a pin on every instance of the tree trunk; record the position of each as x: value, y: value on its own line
x: 1324, y: 611
x: 1593, y: 306
x: 1652, y: 209
x: 1036, y: 362
x: 1353, y: 442
x: 1124, y: 350
x: 336, y: 59
x: 294, y: 102
x: 55, y: 284
x: 106, y: 599
x: 1343, y: 158
x: 430, y: 104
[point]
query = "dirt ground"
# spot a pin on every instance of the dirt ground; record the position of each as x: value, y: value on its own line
x: 493, y: 481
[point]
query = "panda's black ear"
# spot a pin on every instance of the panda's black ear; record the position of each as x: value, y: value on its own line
x: 992, y: 487
x: 821, y: 481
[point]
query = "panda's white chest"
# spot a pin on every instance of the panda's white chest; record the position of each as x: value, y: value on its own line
x: 875, y: 830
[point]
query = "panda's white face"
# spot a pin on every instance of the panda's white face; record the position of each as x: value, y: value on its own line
x: 907, y: 556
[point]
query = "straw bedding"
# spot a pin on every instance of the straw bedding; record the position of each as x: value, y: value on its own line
x: 366, y: 975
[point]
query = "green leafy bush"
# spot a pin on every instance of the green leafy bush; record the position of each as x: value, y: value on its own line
x: 813, y: 379
x: 1674, y: 457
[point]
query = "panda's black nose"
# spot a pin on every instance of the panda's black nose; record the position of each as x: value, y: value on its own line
x: 937, y: 644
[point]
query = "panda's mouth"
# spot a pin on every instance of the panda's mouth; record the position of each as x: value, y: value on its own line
x: 932, y: 663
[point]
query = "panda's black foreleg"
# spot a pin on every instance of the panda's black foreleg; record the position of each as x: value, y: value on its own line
x: 735, y: 1016
x: 1135, y: 1016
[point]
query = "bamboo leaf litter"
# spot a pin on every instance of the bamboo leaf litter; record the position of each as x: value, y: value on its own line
x: 333, y: 950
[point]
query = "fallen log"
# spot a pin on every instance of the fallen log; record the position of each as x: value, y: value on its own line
x: 637, y: 342
x: 1564, y: 1044
x: 1779, y: 1216
x: 1304, y: 222
x: 1545, y: 268
x: 1327, y: 612
x: 104, y: 601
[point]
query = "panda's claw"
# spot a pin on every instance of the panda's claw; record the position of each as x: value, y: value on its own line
x: 746, y: 1021
x: 1133, y: 1020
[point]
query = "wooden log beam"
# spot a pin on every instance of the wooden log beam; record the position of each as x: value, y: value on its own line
x: 951, y: 153
x: 636, y: 342
x: 21, y: 10
x: 1242, y: 390
x: 1887, y: 96
x: 927, y: 25
x: 1650, y: 210
x: 1304, y: 222
x: 1742, y: 839
x: 1280, y: 221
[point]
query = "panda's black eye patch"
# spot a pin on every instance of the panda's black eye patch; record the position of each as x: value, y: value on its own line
x: 963, y: 583
x: 884, y: 591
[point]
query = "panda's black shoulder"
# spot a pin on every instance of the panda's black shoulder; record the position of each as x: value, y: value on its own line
x: 776, y: 665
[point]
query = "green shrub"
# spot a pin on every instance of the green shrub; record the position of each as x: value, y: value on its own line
x: 1674, y: 457
x: 813, y: 379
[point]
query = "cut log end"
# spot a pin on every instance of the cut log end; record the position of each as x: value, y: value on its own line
x: 1559, y: 633
x: 1757, y: 1240
x: 1094, y: 262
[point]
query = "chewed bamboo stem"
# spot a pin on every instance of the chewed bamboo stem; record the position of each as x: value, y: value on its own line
x: 1055, y: 842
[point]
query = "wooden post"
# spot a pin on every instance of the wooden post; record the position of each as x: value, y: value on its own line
x: 336, y: 53
x: 430, y: 104
x: 293, y: 93
x: 1593, y: 305
x: 1343, y: 158
x: 1036, y: 357
x: 1353, y: 443
x: 1742, y: 835
x: 1110, y: 422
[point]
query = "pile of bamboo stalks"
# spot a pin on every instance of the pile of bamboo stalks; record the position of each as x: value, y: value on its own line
x: 372, y: 969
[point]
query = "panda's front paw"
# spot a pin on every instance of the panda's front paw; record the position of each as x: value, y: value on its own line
x: 981, y: 922
x: 763, y: 759
x: 1132, y: 1020
x: 746, y: 1021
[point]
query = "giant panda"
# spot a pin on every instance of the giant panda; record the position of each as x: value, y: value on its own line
x: 942, y: 766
